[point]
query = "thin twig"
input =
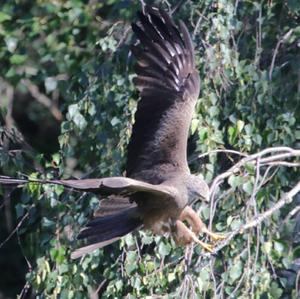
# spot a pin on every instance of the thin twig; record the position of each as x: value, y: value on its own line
x: 223, y: 151
x: 24, y: 291
x: 282, y: 40
x: 297, y: 284
x: 285, y: 199
x: 43, y: 99
x: 177, y: 6
x: 201, y: 16
x: 285, y: 152
x: 17, y: 227
x: 94, y: 295
x: 291, y: 214
x: 283, y: 163
x: 233, y: 294
x: 27, y: 285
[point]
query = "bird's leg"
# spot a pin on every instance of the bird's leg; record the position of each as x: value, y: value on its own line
x: 196, y: 223
x: 185, y: 236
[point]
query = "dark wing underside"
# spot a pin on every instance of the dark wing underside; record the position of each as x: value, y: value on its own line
x: 169, y: 86
x: 106, y: 186
x: 117, y: 215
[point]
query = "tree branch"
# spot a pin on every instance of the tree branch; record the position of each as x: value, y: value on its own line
x: 281, y: 41
x: 43, y: 99
x: 283, y: 152
x: 257, y: 220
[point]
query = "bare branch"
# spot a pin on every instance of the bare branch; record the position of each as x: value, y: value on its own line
x: 201, y: 16
x: 223, y: 151
x: 257, y: 220
x: 282, y: 40
x: 283, y: 163
x: 43, y: 99
x: 282, y: 152
x: 298, y: 284
x: 16, y: 228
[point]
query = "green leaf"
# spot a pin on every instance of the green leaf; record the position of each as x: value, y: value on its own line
x: 56, y: 158
x: 131, y: 257
x: 63, y: 268
x: 50, y: 84
x: 129, y: 240
x: 232, y: 132
x: 213, y: 98
x: 171, y: 276
x: 275, y: 291
x: 279, y: 248
x: 147, y: 239
x: 130, y: 267
x: 119, y: 285
x: 17, y: 59
x: 73, y: 110
x: 267, y: 247
x: 48, y: 223
x: 213, y: 111
x: 250, y: 168
x: 235, y: 224
x: 240, y: 125
x: 164, y: 249
x: 194, y: 125
x: 235, y: 181
x: 4, y: 17
x: 20, y: 210
x: 235, y: 271
x: 80, y: 121
x: 248, y: 187
x: 114, y: 121
x: 203, y: 280
x: 11, y: 43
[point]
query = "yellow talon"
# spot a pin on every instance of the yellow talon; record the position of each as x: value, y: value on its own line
x: 207, y: 247
x: 214, y: 236
x: 217, y: 237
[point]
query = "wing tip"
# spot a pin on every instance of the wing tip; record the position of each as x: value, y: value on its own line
x: 163, y: 46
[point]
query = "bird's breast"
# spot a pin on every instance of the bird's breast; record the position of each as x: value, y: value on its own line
x: 158, y: 215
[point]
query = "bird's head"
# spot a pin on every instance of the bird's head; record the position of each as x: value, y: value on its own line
x: 197, y: 189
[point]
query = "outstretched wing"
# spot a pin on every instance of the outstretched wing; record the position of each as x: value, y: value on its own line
x: 106, y: 186
x: 169, y: 87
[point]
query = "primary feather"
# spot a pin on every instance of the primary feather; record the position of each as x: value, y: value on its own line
x: 169, y: 87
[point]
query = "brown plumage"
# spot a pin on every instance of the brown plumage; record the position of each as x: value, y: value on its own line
x: 159, y: 188
x: 169, y: 87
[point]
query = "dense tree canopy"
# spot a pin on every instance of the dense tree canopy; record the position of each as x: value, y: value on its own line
x: 66, y: 108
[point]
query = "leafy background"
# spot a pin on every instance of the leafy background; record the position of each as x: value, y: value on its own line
x: 67, y: 106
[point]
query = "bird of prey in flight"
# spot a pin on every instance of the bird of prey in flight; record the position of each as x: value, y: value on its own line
x: 158, y: 190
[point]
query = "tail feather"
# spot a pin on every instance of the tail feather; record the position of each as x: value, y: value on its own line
x: 113, y: 204
x: 90, y: 248
x: 105, y: 230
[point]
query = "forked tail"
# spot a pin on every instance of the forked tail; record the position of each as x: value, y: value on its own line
x: 107, y: 229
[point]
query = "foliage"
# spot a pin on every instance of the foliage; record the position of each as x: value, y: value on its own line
x: 77, y: 53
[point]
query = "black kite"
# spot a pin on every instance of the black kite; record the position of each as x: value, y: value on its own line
x: 159, y: 188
